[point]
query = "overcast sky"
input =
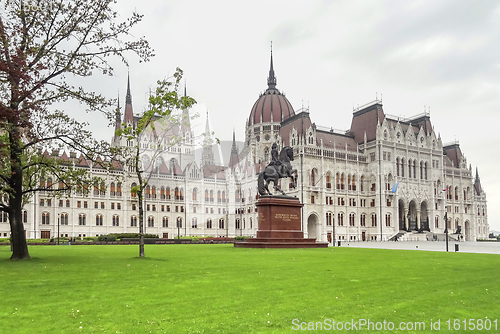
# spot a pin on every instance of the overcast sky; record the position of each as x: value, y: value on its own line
x: 439, y: 56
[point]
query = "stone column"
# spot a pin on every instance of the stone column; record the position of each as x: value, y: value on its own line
x: 406, y: 219
x: 418, y: 219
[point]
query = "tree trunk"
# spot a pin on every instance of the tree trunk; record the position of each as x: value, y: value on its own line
x: 141, y: 217
x: 19, y: 244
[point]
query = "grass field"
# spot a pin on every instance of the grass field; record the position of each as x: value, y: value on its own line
x: 221, y: 289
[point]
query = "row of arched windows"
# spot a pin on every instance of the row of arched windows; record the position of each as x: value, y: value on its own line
x: 411, y: 166
x: 352, y: 219
x: 342, y: 181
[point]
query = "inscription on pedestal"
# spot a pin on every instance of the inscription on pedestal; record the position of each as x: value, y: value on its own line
x: 287, y: 217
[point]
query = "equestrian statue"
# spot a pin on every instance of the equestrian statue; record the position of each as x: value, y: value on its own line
x: 279, y: 167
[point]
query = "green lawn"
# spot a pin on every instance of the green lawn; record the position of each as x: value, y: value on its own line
x: 221, y: 289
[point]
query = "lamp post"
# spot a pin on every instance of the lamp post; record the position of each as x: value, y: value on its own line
x: 178, y: 229
x: 58, y: 223
x: 333, y: 232
x: 446, y: 228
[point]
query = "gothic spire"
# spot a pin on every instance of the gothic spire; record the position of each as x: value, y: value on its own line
x: 128, y: 116
x: 207, y: 156
x: 233, y: 158
x: 271, y: 80
x: 128, y: 99
x: 118, y: 119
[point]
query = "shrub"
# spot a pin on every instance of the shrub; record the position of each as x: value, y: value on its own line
x: 107, y: 237
x: 133, y: 235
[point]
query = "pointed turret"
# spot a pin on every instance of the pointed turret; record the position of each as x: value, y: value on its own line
x: 271, y: 80
x: 233, y: 158
x: 118, y: 119
x: 185, y: 122
x: 129, y: 114
x: 207, y: 156
x: 477, y: 184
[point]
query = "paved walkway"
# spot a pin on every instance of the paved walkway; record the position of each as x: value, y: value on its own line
x: 439, y: 246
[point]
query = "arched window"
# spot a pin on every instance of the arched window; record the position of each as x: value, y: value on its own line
x: 397, y: 166
x: 194, y: 223
x: 176, y: 192
x: 337, y: 180
x: 329, y: 219
x: 82, y: 219
x: 162, y: 192
x: 181, y: 194
x: 167, y: 193
x: 116, y: 220
x: 64, y: 218
x: 133, y: 194
x: 374, y: 219
x: 211, y: 195
x: 151, y: 221
x: 221, y: 223
x: 328, y: 181
x: 414, y: 169
x: 206, y: 196
x: 421, y: 170
x: 148, y: 191
x: 409, y: 168
x: 362, y: 220
x: 153, y: 192
x: 195, y: 194
x: 351, y: 219
x: 179, y: 222
x: 45, y: 218
x: 313, y: 177
x: 402, y: 167
x: 49, y: 183
x: 119, y: 189
x: 388, y: 220
x: 133, y: 221
x: 362, y: 183
x: 340, y: 219
x: 209, y: 222
x: 223, y: 197
x: 456, y: 193
x: 112, y: 190
x: 98, y: 220
x: 436, y: 221
x: 425, y: 170
x: 342, y: 177
x: 219, y: 197
x: 164, y: 222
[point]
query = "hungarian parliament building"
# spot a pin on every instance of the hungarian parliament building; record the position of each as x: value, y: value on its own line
x: 386, y: 178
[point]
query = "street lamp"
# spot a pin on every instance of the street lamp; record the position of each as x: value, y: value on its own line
x: 58, y: 223
x: 446, y: 228
x: 178, y: 229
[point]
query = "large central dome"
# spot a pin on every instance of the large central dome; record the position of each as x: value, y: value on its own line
x: 272, y: 106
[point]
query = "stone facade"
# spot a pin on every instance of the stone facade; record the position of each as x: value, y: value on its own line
x: 385, y: 178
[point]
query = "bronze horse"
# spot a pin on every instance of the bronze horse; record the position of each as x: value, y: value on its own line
x: 276, y: 170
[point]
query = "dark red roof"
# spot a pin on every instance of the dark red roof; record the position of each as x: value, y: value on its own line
x: 366, y: 120
x: 272, y: 106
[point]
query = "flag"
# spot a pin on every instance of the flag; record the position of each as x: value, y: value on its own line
x: 444, y: 190
x: 395, y: 187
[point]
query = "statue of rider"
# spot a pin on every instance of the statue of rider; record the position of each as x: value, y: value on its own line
x: 275, y: 161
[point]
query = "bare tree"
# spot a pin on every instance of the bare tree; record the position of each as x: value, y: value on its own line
x: 158, y: 129
x: 41, y: 43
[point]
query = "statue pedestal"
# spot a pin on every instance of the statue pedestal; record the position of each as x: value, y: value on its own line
x: 279, y: 225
